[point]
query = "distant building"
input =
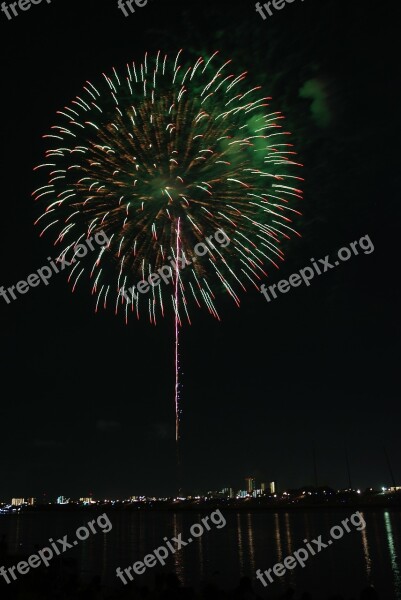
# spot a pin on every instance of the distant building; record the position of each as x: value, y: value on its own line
x: 263, y: 487
x: 228, y: 492
x: 273, y: 487
x: 62, y: 500
x: 250, y: 484
x: 86, y: 500
x: 31, y: 501
x: 17, y: 501
x: 242, y: 494
x: 397, y: 488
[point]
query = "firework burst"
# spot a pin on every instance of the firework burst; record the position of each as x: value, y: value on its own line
x: 159, y: 159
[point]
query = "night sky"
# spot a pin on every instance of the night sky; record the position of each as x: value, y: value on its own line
x: 87, y: 402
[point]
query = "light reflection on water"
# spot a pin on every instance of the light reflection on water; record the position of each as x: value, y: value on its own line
x: 278, y: 537
x: 251, y: 549
x: 393, y: 554
x: 239, y: 538
x: 290, y: 548
x: 178, y: 556
x: 366, y: 554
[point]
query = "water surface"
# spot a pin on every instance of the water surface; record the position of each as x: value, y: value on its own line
x: 249, y: 541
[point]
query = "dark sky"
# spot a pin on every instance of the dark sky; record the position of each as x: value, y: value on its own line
x: 87, y: 402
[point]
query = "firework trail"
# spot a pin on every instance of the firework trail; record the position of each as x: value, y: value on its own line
x: 177, y: 362
x: 177, y: 357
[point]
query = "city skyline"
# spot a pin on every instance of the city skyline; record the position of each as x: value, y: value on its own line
x: 251, y: 489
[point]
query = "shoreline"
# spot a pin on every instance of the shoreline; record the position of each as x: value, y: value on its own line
x: 205, y: 507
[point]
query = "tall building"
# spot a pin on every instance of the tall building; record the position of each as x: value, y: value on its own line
x: 263, y: 487
x: 273, y: 487
x: 86, y: 500
x: 62, y: 500
x: 250, y: 484
x: 17, y: 501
